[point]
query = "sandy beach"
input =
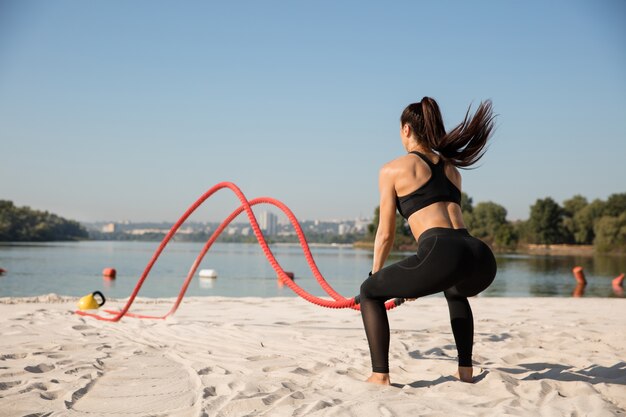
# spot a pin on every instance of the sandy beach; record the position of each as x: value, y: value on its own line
x: 285, y: 357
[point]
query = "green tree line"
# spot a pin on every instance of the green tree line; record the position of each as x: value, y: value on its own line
x: 577, y: 221
x: 23, y: 224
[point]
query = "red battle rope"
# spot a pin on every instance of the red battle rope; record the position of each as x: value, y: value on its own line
x: 338, y: 300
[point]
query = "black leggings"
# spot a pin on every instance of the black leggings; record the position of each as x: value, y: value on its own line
x: 448, y: 260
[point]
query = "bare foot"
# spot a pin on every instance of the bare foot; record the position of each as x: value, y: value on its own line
x: 465, y: 374
x: 379, y: 378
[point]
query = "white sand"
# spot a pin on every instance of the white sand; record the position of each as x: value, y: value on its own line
x: 285, y: 357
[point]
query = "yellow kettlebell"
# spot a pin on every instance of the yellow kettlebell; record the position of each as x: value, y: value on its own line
x: 91, y: 301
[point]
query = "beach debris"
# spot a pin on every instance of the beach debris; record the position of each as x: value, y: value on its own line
x: 109, y: 273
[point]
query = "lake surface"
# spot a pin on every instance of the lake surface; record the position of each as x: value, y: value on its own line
x: 75, y: 268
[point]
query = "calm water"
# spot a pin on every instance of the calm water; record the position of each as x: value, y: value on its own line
x: 75, y: 269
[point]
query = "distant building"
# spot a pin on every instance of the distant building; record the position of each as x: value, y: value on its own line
x: 109, y: 228
x: 139, y: 232
x: 360, y: 224
x: 343, y: 229
x: 268, y: 223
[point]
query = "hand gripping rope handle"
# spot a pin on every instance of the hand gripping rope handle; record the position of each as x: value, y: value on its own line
x: 338, y: 300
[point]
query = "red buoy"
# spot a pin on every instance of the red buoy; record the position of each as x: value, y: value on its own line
x: 3, y: 271
x: 110, y: 273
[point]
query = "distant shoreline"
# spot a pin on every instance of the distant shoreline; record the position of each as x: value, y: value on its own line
x: 528, y: 249
x: 561, y: 249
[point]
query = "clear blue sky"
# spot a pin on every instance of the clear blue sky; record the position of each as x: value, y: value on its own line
x: 113, y: 110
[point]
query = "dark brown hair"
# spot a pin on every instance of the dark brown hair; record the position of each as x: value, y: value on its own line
x: 464, y: 145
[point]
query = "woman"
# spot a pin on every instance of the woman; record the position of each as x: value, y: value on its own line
x: 425, y: 186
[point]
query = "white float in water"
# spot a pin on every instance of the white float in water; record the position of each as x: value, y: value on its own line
x: 206, y: 283
x: 208, y: 273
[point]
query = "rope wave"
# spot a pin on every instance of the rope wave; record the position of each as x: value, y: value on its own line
x: 338, y: 301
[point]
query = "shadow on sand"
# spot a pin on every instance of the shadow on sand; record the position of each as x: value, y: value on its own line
x: 593, y: 374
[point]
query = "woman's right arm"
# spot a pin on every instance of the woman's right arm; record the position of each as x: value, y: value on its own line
x: 386, y: 218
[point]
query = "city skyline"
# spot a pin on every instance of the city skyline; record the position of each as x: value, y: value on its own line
x: 241, y: 221
x: 268, y: 223
x: 133, y: 110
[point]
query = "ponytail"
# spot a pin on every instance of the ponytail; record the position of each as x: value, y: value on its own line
x: 464, y: 145
x: 433, y: 123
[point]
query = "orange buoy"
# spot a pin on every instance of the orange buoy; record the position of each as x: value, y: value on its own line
x: 289, y: 274
x: 109, y: 273
x: 579, y: 275
x: 579, y: 290
x: 618, y: 285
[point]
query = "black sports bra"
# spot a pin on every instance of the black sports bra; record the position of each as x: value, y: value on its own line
x: 437, y: 188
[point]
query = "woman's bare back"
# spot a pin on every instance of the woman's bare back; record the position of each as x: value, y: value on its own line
x: 410, y: 174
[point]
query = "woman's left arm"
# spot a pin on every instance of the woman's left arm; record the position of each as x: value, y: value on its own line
x: 386, y: 230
